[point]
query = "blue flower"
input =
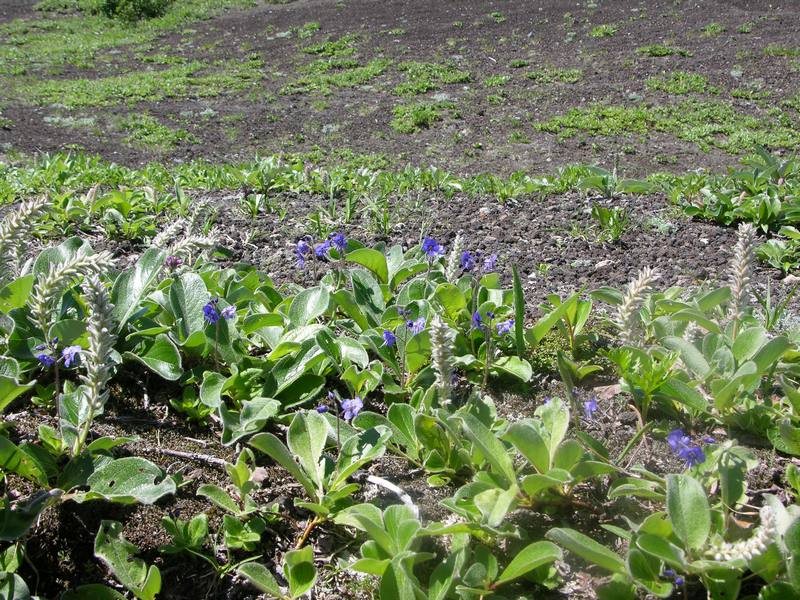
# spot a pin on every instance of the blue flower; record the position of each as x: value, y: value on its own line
x: 489, y: 263
x: 70, y: 355
x: 228, y: 312
x: 46, y: 360
x: 677, y: 439
x: 416, y: 326
x: 339, y: 241
x: 302, y: 251
x: 477, y: 320
x: 351, y: 408
x: 589, y: 408
x: 680, y: 444
x: 505, y: 327
x: 402, y: 311
x: 467, y: 260
x: 693, y: 455
x: 321, y: 249
x: 210, y: 312
x: 389, y: 338
x: 679, y: 580
x: 432, y: 248
x: 322, y: 409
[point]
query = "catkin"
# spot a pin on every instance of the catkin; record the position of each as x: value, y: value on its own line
x: 49, y: 287
x: 441, y: 352
x: 15, y: 229
x: 741, y: 269
x: 634, y: 295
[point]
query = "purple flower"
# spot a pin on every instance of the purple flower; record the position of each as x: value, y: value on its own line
x: 589, y: 408
x: 416, y: 326
x: 46, y: 360
x: 389, y: 338
x: 670, y: 574
x: 322, y: 249
x: 679, y: 580
x: 693, y: 455
x: 432, y: 248
x: 302, y: 251
x: 505, y: 327
x: 173, y: 262
x: 228, y: 312
x: 680, y: 444
x: 403, y: 312
x: 322, y: 409
x: 339, y: 241
x: 709, y: 440
x: 70, y: 355
x: 489, y: 263
x: 477, y: 320
x: 467, y: 260
x: 210, y: 312
x: 677, y: 439
x: 351, y: 408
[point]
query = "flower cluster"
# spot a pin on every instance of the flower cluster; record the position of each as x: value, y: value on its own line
x: 304, y: 248
x: 46, y: 354
x: 350, y: 406
x: 505, y: 327
x: 469, y: 262
x: 173, y: 262
x: 670, y: 574
x: 681, y: 444
x: 212, y: 315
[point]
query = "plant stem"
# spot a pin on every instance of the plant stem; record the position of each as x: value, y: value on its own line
x: 307, y: 532
x: 488, y: 358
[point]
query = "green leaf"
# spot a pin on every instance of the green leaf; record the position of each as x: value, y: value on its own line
x: 260, y: 577
x: 132, y: 285
x: 68, y: 249
x: 688, y: 509
x: 16, y: 520
x: 646, y: 575
x: 211, y: 388
x: 451, y: 298
x: 274, y: 448
x: 396, y: 583
x: 187, y: 297
x: 14, y: 460
x: 371, y: 259
x: 13, y: 587
x: 531, y: 557
x: 92, y: 591
x: 128, y: 480
x: 219, y: 497
x: 515, y: 366
x: 493, y: 451
x: 308, y: 433
x: 587, y: 548
x: 527, y: 438
x: 111, y: 547
x: 251, y: 419
x: 691, y: 356
x: 16, y: 293
x: 298, y: 567
x: 536, y: 334
x: 11, y: 389
x: 308, y: 305
x: 662, y: 549
x: 160, y: 356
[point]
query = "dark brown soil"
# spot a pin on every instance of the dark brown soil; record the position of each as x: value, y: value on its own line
x: 493, y: 132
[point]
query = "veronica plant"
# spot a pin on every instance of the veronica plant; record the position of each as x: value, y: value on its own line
x: 324, y: 478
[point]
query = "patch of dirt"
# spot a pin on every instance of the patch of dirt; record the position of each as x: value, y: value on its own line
x: 493, y: 131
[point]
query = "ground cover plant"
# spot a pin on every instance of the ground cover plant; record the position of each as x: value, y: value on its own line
x: 286, y: 358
